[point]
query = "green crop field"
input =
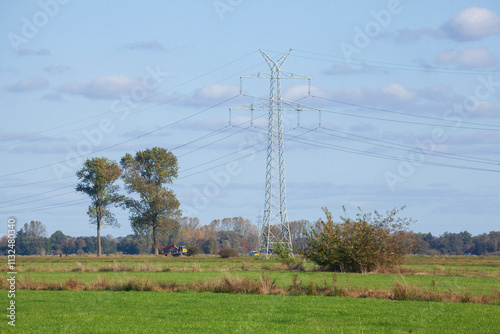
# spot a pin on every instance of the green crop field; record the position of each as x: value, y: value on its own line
x: 206, y: 294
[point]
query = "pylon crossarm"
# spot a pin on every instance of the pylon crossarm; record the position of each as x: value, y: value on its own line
x: 260, y: 105
x: 286, y: 105
x: 270, y: 75
x: 297, y: 106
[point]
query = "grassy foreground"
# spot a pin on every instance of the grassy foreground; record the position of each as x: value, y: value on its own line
x: 157, y: 312
x: 135, y: 294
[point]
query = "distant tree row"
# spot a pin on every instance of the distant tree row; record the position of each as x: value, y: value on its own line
x: 238, y: 233
x: 32, y: 240
x: 462, y: 243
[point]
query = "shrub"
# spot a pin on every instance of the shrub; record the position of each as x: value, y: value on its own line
x: 228, y: 252
x: 286, y: 257
x: 191, y: 251
x: 362, y: 244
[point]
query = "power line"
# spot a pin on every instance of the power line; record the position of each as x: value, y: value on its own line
x: 37, y: 182
x: 410, y: 115
x: 132, y: 113
x: 402, y: 67
x: 148, y: 97
x: 72, y: 176
x: 436, y: 153
x: 43, y: 193
x: 372, y: 154
x: 288, y: 138
x: 45, y: 207
x: 396, y: 120
x: 122, y: 142
x: 211, y: 134
x: 64, y: 203
x: 220, y: 130
x: 220, y: 158
x: 206, y: 145
x: 406, y: 122
x: 38, y: 200
x: 390, y: 157
x: 232, y: 153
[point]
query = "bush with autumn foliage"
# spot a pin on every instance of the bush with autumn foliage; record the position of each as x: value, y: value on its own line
x: 362, y: 244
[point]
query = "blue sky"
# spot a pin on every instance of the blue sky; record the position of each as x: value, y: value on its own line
x: 409, y: 93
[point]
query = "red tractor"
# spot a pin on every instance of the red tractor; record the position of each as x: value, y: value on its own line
x: 173, y: 250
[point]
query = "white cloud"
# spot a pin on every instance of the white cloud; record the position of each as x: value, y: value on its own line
x: 472, y: 23
x: 217, y: 91
x: 104, y: 87
x: 467, y: 58
x: 485, y: 108
x: 398, y: 92
x: 295, y: 93
x: 387, y: 95
x: 211, y: 94
x: 352, y: 94
x: 28, y: 85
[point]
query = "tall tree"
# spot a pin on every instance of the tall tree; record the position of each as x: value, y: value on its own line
x: 146, y: 175
x: 35, y: 229
x: 97, y: 178
x: 35, y: 236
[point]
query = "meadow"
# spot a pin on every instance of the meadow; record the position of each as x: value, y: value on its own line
x: 207, y: 294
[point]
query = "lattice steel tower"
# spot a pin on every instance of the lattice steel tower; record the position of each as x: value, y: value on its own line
x: 275, y: 224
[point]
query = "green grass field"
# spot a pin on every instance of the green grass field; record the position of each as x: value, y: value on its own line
x: 208, y: 312
x: 156, y: 312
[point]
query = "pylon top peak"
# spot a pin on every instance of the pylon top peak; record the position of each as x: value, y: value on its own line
x: 275, y: 64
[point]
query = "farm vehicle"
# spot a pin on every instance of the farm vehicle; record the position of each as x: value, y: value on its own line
x: 173, y: 250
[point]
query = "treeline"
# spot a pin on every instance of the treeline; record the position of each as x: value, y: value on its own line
x: 462, y: 243
x: 238, y: 233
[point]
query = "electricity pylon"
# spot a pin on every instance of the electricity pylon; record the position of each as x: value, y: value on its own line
x: 275, y: 224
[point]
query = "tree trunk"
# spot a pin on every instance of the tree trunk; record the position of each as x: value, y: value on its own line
x: 98, y: 234
x: 155, y: 246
